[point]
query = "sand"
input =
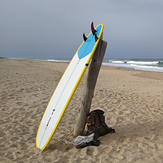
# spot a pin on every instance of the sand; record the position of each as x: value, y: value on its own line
x: 132, y: 102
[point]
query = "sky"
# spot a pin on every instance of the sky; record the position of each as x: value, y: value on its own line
x: 53, y: 29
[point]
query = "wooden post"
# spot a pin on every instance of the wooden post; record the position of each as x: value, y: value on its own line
x: 88, y: 92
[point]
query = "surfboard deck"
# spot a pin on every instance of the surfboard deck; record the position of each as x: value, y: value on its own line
x: 66, y: 88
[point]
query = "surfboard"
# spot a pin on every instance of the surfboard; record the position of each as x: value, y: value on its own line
x: 66, y: 87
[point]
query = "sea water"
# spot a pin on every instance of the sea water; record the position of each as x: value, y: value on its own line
x: 154, y: 65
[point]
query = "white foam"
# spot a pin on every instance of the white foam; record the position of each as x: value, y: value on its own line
x: 136, y: 67
x: 54, y: 60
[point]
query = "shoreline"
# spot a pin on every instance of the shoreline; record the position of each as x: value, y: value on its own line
x: 132, y: 102
x: 66, y: 61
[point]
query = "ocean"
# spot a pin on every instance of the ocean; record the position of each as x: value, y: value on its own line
x: 153, y: 65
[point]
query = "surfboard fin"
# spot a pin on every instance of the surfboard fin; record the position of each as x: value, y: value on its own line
x: 84, y: 37
x: 94, y: 31
x: 92, y: 27
x: 96, y: 38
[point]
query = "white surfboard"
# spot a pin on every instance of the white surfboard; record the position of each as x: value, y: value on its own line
x: 66, y: 88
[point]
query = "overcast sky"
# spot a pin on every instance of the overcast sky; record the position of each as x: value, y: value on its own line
x: 54, y: 28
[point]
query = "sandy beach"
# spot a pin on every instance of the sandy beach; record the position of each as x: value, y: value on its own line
x: 132, y: 102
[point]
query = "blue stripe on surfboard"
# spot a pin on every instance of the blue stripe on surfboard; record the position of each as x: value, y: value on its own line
x: 85, y: 49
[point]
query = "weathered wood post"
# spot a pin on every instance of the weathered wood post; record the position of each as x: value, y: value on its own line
x: 88, y: 91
